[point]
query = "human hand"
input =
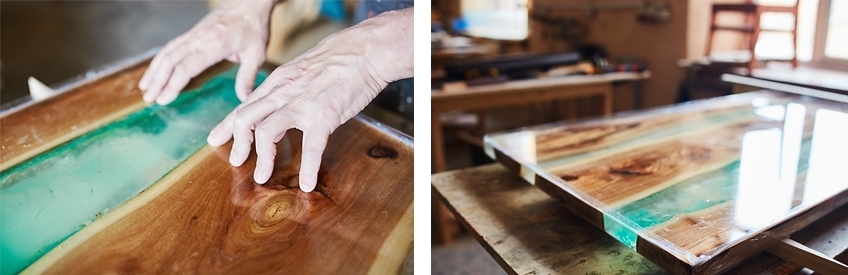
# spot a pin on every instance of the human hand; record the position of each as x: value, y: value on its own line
x: 317, y: 92
x: 237, y: 31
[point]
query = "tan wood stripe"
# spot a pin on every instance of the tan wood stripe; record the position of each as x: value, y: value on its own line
x: 209, y: 217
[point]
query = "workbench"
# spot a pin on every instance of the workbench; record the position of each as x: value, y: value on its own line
x: 528, y: 232
x: 521, y: 92
x: 202, y: 215
x: 696, y: 188
x: 517, y: 93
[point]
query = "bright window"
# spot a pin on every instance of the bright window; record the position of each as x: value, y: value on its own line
x: 836, y: 38
x: 496, y: 19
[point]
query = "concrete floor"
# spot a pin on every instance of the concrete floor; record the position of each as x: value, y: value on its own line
x: 55, y: 41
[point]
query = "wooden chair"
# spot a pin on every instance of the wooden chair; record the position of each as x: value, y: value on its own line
x: 752, y: 29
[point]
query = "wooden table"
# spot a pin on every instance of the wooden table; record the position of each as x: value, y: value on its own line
x: 528, y: 232
x: 514, y: 93
x: 206, y: 216
x: 519, y: 93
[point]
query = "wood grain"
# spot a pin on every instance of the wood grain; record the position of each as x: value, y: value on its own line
x: 36, y: 128
x: 575, y: 139
x: 624, y: 178
x: 209, y: 217
x: 529, y: 232
x: 674, y: 189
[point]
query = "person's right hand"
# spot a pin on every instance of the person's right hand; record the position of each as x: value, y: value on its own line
x: 236, y: 30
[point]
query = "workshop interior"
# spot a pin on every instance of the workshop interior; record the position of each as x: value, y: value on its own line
x: 639, y: 136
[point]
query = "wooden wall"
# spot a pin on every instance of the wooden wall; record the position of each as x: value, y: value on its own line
x: 660, y: 45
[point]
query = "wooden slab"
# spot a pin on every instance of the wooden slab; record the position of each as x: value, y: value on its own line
x: 29, y: 131
x: 692, y: 188
x: 103, y: 168
x: 529, y: 232
x: 208, y: 217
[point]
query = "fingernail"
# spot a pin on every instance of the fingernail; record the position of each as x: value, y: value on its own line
x: 306, y: 188
x: 212, y: 138
x: 234, y: 158
x: 260, y: 176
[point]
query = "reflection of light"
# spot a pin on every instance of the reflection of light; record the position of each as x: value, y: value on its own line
x: 527, y: 139
x: 793, y: 135
x: 520, y: 145
x: 826, y: 174
x: 775, y: 112
x: 768, y: 170
x: 760, y: 102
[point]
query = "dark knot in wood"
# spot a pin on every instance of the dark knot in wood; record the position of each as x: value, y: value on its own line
x: 379, y: 152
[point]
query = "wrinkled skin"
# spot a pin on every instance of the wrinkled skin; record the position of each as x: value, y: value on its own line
x: 315, y: 93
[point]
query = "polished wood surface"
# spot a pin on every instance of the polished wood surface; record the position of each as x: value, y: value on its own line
x: 529, y: 232
x: 697, y: 195
x: 513, y: 93
x: 209, y: 217
x: 34, y: 129
x: 42, y: 125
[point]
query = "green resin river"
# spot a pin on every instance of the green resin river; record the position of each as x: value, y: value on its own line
x: 48, y: 198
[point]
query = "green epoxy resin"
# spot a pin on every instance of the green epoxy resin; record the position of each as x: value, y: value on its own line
x: 692, y: 195
x: 48, y: 198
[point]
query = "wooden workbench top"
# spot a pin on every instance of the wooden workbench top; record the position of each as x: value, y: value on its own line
x: 529, y: 232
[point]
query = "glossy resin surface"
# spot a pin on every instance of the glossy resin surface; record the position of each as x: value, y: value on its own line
x: 692, y: 187
x: 51, y: 196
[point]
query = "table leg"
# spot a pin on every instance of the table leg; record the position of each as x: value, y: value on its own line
x: 607, y: 100
x: 437, y: 143
x: 437, y: 147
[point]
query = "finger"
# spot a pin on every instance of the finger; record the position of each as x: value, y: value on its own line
x: 188, y: 68
x: 267, y: 134
x: 244, y: 121
x: 246, y: 76
x: 144, y: 83
x: 222, y: 132
x: 162, y: 72
x: 279, y: 78
x: 314, y: 143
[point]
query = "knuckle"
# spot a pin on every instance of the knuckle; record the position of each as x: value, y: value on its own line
x: 179, y: 69
x: 240, y: 118
x: 312, y: 149
x: 263, y: 132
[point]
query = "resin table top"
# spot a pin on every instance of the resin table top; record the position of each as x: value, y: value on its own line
x: 118, y: 187
x: 528, y: 232
x: 698, y: 187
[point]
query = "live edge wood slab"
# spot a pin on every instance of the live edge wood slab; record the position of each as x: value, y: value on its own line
x: 695, y: 188
x: 529, y: 232
x: 206, y: 216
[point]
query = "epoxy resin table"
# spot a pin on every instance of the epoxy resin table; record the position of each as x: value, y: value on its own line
x: 698, y: 187
x: 94, y: 181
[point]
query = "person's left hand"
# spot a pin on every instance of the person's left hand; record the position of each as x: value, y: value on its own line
x: 317, y: 92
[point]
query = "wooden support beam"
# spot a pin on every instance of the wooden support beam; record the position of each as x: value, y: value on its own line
x: 805, y: 256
